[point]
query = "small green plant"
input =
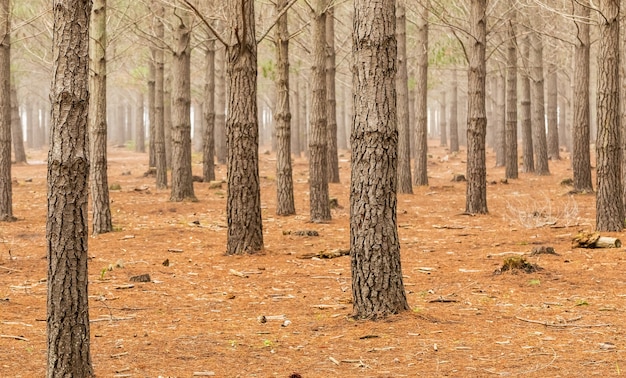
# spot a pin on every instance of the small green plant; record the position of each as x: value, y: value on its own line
x: 233, y: 344
x: 534, y: 282
x: 267, y: 343
x: 582, y: 302
x: 103, y: 272
x: 417, y: 310
x: 115, y: 186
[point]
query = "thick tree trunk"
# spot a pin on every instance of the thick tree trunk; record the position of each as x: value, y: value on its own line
x: 151, y: 111
x: 476, y: 195
x: 140, y: 131
x: 331, y: 106
x: 284, y: 179
x: 500, y: 123
x: 454, y: 109
x: 581, y: 156
x: 243, y: 207
x: 318, y: 137
x: 510, y: 136
x: 420, y: 175
x: 67, y: 322
x: 552, y: 114
x: 208, y: 145
x: 220, y: 106
x: 17, y: 135
x: 6, y: 188
x: 182, y: 180
x: 540, y: 144
x: 98, y: 181
x: 609, y: 210
x: 377, y: 287
x: 528, y: 159
x: 405, y: 183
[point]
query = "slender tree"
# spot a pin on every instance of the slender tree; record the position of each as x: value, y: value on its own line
x: 151, y: 84
x: 159, y: 98
x: 443, y: 119
x: 377, y: 287
x: 510, y: 136
x: 220, y: 106
x: 609, y: 210
x: 540, y: 144
x: 331, y: 106
x: 68, y: 352
x: 140, y: 131
x: 208, y: 145
x: 405, y: 183
x: 6, y: 190
x: 525, y: 109
x: 17, y: 135
x: 454, y: 110
x: 500, y: 124
x: 552, y: 113
x: 476, y: 195
x: 421, y: 109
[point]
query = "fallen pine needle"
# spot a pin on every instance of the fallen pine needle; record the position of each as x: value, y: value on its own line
x: 13, y: 337
x: 333, y: 360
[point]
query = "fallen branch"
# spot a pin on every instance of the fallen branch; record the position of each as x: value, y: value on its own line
x: 237, y: 273
x: 13, y: 337
x: 326, y: 254
x: 562, y: 325
x: 112, y: 319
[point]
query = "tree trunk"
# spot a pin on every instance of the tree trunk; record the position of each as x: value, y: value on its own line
x: 182, y: 180
x: 454, y: 109
x: 6, y: 187
x: 377, y: 287
x: 208, y: 146
x: 510, y: 137
x: 443, y: 119
x: 17, y: 135
x: 151, y: 110
x: 98, y: 180
x: 304, y: 128
x: 540, y: 145
x: 294, y: 96
x: 243, y: 207
x: 420, y: 174
x: 167, y: 118
x: 140, y: 131
x: 220, y: 106
x: 331, y: 106
x: 318, y: 137
x: 284, y: 180
x: 159, y: 126
x: 68, y: 352
x: 500, y: 123
x: 552, y: 114
x: 609, y: 210
x: 198, y: 127
x: 476, y: 195
x: 405, y: 183
x: 342, y: 128
x: 528, y: 159
x: 581, y: 156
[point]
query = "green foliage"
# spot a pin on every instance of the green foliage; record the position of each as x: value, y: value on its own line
x: 268, y: 69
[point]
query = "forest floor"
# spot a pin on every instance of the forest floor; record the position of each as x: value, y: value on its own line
x: 200, y: 314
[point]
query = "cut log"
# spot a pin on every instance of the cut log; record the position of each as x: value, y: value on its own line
x: 594, y: 240
x: 608, y: 242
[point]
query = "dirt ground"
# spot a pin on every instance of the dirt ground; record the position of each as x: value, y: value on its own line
x: 200, y: 315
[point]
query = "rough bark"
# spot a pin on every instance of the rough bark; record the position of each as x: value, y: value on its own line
x: 159, y: 122
x: 510, y: 137
x: 528, y: 159
x: 318, y: 135
x: 140, y: 131
x: 405, y: 182
x: 208, y: 145
x: 454, y: 109
x: 331, y: 106
x: 540, y: 144
x: 500, y: 124
x: 98, y: 181
x: 17, y: 135
x: 377, y: 287
x: 552, y: 113
x: 476, y: 194
x: 6, y: 187
x: 581, y: 155
x: 284, y: 178
x: 182, y: 180
x: 68, y: 352
x: 243, y: 207
x: 220, y: 106
x: 609, y: 207
x: 420, y: 175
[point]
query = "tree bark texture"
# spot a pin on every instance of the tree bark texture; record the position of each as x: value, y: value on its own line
x: 500, y: 124
x: 581, y: 155
x: 6, y: 187
x: 318, y: 135
x: 17, y: 135
x: 331, y: 106
x: 420, y: 174
x: 140, y: 131
x: 540, y: 144
x: 208, y: 115
x: 245, y: 230
x: 454, y: 109
x: 377, y: 287
x: 405, y: 183
x: 159, y: 99
x: 552, y: 113
x: 68, y: 353
x: 98, y: 179
x: 182, y: 180
x: 476, y: 194
x: 284, y: 178
x: 510, y: 137
x: 528, y: 159
x: 609, y: 207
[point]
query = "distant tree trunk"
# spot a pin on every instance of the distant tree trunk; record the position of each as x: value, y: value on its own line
x: 318, y: 147
x: 528, y: 159
x: 243, y: 206
x: 68, y: 346
x: 167, y: 118
x: 220, y: 106
x: 476, y: 195
x: 98, y: 181
x: 342, y: 129
x: 6, y: 187
x: 581, y: 156
x: 609, y: 210
x: 443, y: 120
x: 552, y: 114
x: 420, y: 174
x: 284, y: 180
x: 152, y: 110
x: 30, y: 132
x: 377, y: 287
x: 182, y: 180
x: 500, y: 123
x: 331, y: 106
x: 405, y: 183
x: 304, y: 128
x: 208, y: 146
x: 540, y: 145
x: 198, y: 128
x: 454, y: 109
x: 294, y: 96
x: 159, y: 126
x: 140, y: 131
x: 510, y: 136
x: 17, y: 135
